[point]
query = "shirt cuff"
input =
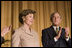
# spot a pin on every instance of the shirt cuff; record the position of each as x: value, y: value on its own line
x: 55, y: 39
x: 67, y: 39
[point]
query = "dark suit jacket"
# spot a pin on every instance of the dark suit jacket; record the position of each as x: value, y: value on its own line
x: 48, y: 35
x: 2, y: 40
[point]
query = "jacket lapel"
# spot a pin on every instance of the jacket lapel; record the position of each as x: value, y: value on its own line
x: 52, y: 32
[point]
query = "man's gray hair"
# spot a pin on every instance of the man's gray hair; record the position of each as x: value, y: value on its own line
x: 52, y: 15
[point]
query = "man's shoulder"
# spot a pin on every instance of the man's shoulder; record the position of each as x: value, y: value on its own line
x: 48, y: 28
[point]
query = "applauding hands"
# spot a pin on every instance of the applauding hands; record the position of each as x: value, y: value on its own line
x: 59, y: 34
x: 66, y: 33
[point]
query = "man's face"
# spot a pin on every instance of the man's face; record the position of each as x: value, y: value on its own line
x: 56, y: 19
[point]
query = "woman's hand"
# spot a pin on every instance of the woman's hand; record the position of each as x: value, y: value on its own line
x: 5, y: 30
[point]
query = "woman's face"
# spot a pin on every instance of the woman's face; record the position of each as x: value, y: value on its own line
x: 29, y: 19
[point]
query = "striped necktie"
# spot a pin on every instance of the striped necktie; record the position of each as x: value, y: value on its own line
x: 57, y: 30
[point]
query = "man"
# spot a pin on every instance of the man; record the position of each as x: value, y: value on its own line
x: 4, y: 32
x: 56, y: 36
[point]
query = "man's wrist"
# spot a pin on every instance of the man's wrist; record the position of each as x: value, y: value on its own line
x: 67, y: 36
x: 57, y: 37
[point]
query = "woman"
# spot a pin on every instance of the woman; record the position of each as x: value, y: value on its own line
x: 25, y: 36
x: 4, y: 32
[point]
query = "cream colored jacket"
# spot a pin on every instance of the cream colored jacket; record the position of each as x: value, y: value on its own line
x: 23, y: 38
